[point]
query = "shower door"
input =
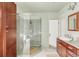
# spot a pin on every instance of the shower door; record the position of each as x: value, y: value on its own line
x: 28, y: 35
x: 35, y: 27
x: 23, y: 39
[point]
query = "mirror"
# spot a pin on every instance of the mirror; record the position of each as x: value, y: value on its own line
x: 73, y: 22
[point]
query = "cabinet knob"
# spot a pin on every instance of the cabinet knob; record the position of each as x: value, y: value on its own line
x: 70, y: 47
x: 6, y: 26
x: 6, y: 31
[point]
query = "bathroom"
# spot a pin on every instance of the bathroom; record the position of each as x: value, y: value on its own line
x: 52, y: 23
x: 39, y: 29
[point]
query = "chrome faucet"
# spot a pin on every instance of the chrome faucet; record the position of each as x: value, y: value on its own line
x: 69, y: 36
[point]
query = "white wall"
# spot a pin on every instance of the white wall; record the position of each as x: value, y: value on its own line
x: 63, y: 17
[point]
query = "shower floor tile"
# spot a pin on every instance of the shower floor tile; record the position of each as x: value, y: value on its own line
x: 34, y: 50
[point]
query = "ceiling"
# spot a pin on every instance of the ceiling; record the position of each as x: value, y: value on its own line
x: 40, y: 6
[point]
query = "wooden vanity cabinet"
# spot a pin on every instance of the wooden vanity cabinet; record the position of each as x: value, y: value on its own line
x: 7, y: 29
x: 66, y: 50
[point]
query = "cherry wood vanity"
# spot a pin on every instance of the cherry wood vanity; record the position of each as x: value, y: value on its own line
x: 65, y: 49
x: 7, y: 29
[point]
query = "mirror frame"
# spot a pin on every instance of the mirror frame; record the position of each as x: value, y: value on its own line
x: 77, y: 22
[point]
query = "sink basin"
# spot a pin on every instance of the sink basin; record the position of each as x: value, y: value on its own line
x: 73, y: 42
x: 65, y: 39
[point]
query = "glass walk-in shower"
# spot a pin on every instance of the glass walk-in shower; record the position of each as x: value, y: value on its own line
x: 35, y: 42
x: 28, y: 36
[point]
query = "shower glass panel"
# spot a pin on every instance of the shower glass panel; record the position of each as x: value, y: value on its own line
x: 23, y: 39
x: 20, y: 41
x: 35, y: 42
x: 28, y: 36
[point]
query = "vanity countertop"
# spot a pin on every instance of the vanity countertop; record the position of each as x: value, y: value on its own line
x: 74, y: 43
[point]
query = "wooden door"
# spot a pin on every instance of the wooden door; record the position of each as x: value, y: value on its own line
x: 11, y: 30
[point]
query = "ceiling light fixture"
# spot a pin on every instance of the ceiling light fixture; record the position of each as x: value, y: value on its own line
x: 72, y: 6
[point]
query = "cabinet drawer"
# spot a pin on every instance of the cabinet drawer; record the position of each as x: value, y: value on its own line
x: 72, y: 48
x: 62, y: 42
x: 71, y: 54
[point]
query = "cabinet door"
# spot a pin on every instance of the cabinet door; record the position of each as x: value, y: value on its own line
x: 1, y: 41
x: 11, y: 51
x: 11, y: 16
x: 63, y: 49
x: 11, y: 30
x: 71, y: 54
x: 10, y: 42
x: 11, y: 7
x: 2, y: 36
x: 59, y: 49
x: 1, y: 47
x: 10, y: 38
x: 11, y: 21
